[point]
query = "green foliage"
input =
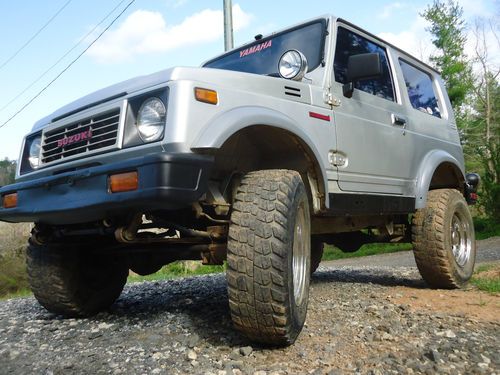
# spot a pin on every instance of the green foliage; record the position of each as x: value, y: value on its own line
x: 489, y: 152
x: 482, y: 143
x: 486, y: 227
x: 475, y: 97
x: 7, y: 171
x: 448, y: 31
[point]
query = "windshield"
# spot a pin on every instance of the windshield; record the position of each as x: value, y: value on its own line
x: 262, y: 56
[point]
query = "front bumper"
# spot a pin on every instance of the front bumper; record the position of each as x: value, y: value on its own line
x: 166, y: 181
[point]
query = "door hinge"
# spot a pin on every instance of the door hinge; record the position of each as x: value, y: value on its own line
x: 331, y: 100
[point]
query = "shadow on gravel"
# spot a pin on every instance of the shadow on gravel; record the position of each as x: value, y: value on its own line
x: 365, y: 276
x: 199, y: 303
x: 150, y: 311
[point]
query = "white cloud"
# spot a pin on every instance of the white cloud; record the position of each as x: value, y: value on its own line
x: 475, y: 8
x: 389, y: 9
x: 178, y: 3
x: 145, y: 32
x: 415, y: 40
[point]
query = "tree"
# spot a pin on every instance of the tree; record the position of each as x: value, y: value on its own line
x: 448, y: 31
x: 7, y: 171
x: 483, y: 134
x: 474, y: 93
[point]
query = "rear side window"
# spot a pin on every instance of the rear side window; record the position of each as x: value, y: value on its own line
x: 420, y: 89
x: 348, y: 44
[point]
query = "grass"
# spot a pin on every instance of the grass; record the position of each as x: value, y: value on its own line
x: 13, y: 279
x: 487, y: 278
x: 332, y: 253
x: 22, y: 293
x: 177, y: 269
x: 486, y: 228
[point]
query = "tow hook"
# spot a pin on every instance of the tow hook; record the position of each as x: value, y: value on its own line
x: 129, y: 233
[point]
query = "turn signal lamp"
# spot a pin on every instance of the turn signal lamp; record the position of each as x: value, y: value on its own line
x: 9, y: 200
x: 206, y: 95
x: 118, y: 183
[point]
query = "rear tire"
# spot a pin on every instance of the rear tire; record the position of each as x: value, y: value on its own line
x: 317, y: 248
x: 269, y: 257
x: 443, y: 240
x: 70, y: 282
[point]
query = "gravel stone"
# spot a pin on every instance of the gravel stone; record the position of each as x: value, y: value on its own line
x: 192, y: 355
x: 246, y: 351
x: 183, y: 326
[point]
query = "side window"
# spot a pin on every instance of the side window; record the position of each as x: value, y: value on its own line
x: 348, y: 44
x: 420, y: 90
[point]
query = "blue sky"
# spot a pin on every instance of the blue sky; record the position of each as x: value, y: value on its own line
x: 157, y: 34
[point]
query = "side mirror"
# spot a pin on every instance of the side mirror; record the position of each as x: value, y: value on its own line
x: 360, y: 67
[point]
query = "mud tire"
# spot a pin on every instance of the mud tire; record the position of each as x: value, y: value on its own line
x: 438, y: 230
x: 270, y: 216
x: 69, y: 281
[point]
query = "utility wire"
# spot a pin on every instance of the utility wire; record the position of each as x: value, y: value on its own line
x: 62, y: 57
x: 68, y: 66
x: 35, y: 35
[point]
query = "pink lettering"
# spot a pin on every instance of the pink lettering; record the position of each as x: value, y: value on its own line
x: 256, y: 48
x: 83, y: 136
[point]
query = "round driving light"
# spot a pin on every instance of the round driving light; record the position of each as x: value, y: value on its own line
x: 151, y: 119
x: 34, y: 154
x: 292, y: 65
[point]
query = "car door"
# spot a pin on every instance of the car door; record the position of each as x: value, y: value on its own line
x: 374, y: 154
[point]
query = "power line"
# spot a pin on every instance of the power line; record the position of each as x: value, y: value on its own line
x: 35, y: 35
x: 68, y: 66
x: 62, y: 57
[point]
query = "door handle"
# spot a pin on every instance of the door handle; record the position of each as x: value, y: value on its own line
x: 398, y: 120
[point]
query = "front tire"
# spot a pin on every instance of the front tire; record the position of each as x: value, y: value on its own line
x: 269, y: 257
x: 69, y: 281
x: 443, y: 237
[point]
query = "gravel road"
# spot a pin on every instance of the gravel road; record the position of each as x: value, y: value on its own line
x: 363, y: 319
x: 487, y: 251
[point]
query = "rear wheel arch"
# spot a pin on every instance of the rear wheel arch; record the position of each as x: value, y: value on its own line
x: 438, y: 170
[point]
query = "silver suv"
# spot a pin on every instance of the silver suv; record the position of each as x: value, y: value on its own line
x: 321, y: 133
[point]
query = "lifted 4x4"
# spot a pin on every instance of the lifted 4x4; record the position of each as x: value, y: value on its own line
x: 304, y: 137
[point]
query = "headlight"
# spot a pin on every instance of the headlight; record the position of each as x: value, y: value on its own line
x: 34, y: 154
x: 151, y: 119
x: 292, y: 65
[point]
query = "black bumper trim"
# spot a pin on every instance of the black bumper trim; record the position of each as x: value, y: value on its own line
x: 166, y: 181
x: 366, y: 204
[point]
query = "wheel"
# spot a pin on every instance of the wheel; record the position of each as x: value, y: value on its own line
x: 316, y: 254
x: 444, y: 244
x: 70, y: 282
x: 269, y: 257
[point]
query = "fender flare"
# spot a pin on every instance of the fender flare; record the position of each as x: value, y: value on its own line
x: 428, y: 167
x: 222, y: 127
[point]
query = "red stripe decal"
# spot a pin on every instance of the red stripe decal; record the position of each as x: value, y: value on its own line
x: 319, y: 116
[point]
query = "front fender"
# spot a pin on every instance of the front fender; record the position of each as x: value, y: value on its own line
x: 426, y: 171
x: 223, y: 126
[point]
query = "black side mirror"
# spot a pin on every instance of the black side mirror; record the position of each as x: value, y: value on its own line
x: 360, y: 67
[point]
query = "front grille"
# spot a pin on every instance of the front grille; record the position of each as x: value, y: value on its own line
x: 82, y: 137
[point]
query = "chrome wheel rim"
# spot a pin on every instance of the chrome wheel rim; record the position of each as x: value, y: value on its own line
x: 461, y: 242
x: 300, y: 256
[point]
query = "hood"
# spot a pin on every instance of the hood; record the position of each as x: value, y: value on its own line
x: 106, y: 94
x: 243, y: 81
